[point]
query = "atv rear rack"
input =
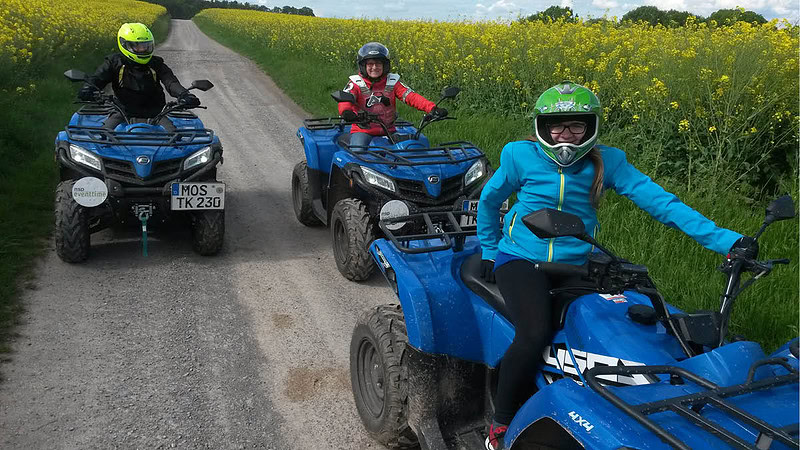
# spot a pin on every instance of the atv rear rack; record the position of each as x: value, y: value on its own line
x: 447, y: 153
x: 440, y: 225
x: 689, y: 406
x: 329, y: 123
x: 99, y: 135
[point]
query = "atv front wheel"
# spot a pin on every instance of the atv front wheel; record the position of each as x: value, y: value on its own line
x: 301, y: 196
x: 72, y: 225
x: 379, y: 375
x: 208, y: 231
x: 351, y: 233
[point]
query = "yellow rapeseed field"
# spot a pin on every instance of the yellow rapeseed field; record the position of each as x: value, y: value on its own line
x: 33, y: 31
x: 711, y: 90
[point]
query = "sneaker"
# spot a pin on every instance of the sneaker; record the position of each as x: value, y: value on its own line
x: 497, y: 433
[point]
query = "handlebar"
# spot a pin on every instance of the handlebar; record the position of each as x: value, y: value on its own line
x: 560, y: 269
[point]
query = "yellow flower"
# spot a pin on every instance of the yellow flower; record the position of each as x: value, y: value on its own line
x: 683, y: 126
x: 674, y: 105
x: 712, y: 129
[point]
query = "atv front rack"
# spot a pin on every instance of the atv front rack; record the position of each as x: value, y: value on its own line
x: 690, y: 405
x: 441, y: 225
x: 447, y: 153
x: 329, y: 123
x: 99, y: 135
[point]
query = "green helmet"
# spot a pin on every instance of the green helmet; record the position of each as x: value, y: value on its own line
x: 567, y: 101
x: 136, y: 42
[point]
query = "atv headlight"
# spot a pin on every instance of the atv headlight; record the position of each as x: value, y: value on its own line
x: 377, y: 179
x: 475, y: 172
x: 82, y: 156
x: 198, y: 158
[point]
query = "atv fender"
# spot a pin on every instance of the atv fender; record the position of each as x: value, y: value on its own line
x: 441, y: 318
x: 567, y: 415
x: 309, y: 148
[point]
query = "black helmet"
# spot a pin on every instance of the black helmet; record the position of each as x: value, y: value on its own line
x: 373, y: 50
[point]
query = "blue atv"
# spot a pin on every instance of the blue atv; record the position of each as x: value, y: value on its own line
x: 350, y: 187
x: 138, y: 172
x: 625, y: 370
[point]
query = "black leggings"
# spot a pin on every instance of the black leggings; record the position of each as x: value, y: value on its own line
x: 526, y: 292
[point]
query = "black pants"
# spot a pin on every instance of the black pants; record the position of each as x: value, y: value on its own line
x: 116, y: 118
x: 526, y: 292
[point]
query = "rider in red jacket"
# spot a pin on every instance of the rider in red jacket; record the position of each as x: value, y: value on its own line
x: 376, y: 91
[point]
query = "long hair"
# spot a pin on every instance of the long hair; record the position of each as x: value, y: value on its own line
x: 596, y: 191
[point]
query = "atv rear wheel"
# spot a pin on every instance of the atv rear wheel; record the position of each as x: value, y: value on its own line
x: 351, y: 233
x: 72, y: 225
x: 301, y: 196
x: 379, y: 375
x: 208, y: 231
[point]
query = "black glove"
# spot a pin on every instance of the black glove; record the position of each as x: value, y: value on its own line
x: 87, y: 93
x: 745, y: 247
x: 439, y: 113
x: 487, y: 270
x: 349, y: 115
x: 188, y: 100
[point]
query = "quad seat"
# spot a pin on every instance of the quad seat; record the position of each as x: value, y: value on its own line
x: 471, y: 276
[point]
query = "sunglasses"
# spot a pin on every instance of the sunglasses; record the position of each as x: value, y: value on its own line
x: 574, y: 128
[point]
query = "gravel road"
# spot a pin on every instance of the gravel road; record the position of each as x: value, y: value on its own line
x: 248, y: 349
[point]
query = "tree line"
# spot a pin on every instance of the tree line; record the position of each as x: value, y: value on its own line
x: 655, y: 16
x: 186, y: 9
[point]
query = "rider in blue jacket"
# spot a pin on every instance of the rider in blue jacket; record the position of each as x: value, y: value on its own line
x: 562, y: 168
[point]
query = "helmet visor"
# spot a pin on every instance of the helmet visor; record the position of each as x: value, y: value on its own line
x: 139, y: 48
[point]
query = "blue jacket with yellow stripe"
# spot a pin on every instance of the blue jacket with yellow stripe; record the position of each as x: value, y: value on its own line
x: 540, y: 183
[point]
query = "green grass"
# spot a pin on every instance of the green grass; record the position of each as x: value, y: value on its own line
x: 28, y: 176
x: 684, y: 271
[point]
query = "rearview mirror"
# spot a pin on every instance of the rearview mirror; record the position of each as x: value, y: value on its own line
x: 781, y: 208
x: 550, y: 223
x: 450, y: 92
x: 203, y: 85
x: 75, y: 75
x: 343, y: 97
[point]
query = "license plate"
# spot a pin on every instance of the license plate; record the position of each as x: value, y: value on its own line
x: 192, y: 196
x: 472, y: 206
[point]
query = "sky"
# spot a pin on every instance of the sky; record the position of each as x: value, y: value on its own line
x: 445, y: 10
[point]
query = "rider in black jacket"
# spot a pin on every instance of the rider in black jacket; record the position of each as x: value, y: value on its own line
x: 135, y: 76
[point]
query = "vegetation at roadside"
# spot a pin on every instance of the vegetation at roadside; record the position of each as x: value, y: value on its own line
x: 186, y: 9
x: 693, y: 108
x: 39, y: 40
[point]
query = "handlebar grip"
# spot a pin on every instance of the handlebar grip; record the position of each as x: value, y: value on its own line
x: 563, y: 269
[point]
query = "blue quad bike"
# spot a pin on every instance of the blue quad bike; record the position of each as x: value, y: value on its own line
x: 625, y: 370
x: 138, y: 172
x: 351, y: 187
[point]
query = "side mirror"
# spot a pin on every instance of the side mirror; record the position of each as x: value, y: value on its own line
x: 203, y: 85
x: 550, y: 223
x: 450, y: 92
x: 780, y: 209
x: 343, y: 97
x: 75, y: 75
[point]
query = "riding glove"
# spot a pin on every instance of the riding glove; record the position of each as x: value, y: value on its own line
x: 189, y: 100
x: 745, y: 247
x: 349, y: 115
x: 439, y: 112
x: 87, y: 93
x: 487, y: 270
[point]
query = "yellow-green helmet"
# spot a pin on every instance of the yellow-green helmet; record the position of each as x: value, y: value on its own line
x: 136, y: 42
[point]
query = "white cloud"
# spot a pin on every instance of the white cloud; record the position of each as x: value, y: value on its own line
x: 397, y: 5
x: 605, y: 4
x: 500, y: 6
x: 567, y: 4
